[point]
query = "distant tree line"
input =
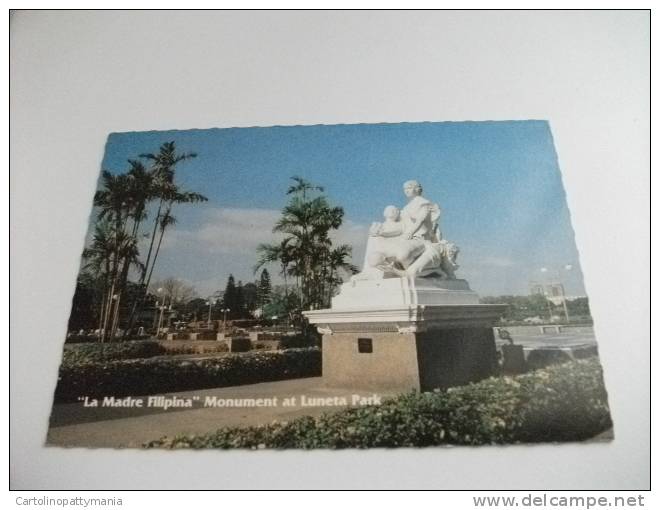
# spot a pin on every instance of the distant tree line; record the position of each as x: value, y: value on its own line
x: 240, y: 300
x: 537, y: 305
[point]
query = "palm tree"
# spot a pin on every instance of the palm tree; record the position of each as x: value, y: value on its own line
x: 114, y: 203
x: 165, y: 221
x: 109, y: 246
x: 302, y: 186
x: 162, y: 172
x: 307, y: 223
x: 137, y: 192
x: 306, y: 251
x: 123, y: 198
x: 164, y: 189
x: 338, y: 262
x: 142, y: 191
x: 174, y: 196
x: 113, y: 198
x: 99, y: 256
x: 128, y: 251
x: 282, y: 253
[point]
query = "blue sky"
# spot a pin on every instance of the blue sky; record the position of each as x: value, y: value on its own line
x: 497, y: 183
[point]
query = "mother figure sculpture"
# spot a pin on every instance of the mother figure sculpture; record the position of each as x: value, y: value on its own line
x: 409, y: 243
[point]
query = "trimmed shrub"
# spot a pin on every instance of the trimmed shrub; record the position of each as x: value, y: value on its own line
x: 99, y: 352
x: 541, y: 358
x: 268, y: 345
x: 157, y: 376
x: 77, y: 339
x: 173, y: 347
x: 299, y: 341
x: 206, y: 335
x: 585, y: 352
x: 238, y: 344
x: 560, y: 403
x: 74, y: 338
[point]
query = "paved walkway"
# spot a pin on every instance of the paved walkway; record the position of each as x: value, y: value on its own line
x: 76, y: 425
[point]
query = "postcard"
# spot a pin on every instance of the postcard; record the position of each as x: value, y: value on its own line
x: 330, y: 286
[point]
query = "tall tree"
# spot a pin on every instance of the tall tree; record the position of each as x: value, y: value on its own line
x: 164, y: 190
x: 302, y: 187
x: 128, y: 251
x: 98, y: 259
x: 162, y: 172
x: 110, y: 248
x: 122, y: 202
x: 264, y: 288
x: 117, y: 201
x: 281, y: 253
x: 240, y: 301
x: 195, y: 309
x: 141, y: 191
x: 338, y: 266
x: 86, y: 303
x: 230, y: 297
x: 306, y: 251
x: 250, y: 298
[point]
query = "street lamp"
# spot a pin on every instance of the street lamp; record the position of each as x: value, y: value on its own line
x: 162, y: 310
x: 559, y: 285
x: 224, y: 319
x: 210, y: 303
x: 567, y: 267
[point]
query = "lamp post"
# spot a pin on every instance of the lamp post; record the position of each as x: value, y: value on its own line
x: 210, y: 303
x: 545, y: 295
x: 160, y: 317
x: 559, y: 285
x: 154, y: 324
x: 224, y: 320
x: 162, y: 309
x: 567, y: 267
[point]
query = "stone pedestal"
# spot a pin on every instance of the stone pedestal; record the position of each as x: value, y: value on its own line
x: 513, y: 359
x: 401, y: 334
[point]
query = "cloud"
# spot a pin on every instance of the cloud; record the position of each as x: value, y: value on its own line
x: 240, y: 231
x: 355, y: 235
x: 225, y: 240
x: 230, y: 231
x: 495, y: 262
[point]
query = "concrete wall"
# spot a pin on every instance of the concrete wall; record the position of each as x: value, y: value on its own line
x: 391, y: 366
x: 535, y: 329
x: 451, y: 357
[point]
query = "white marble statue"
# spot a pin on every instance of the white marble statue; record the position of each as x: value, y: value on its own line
x: 409, y: 242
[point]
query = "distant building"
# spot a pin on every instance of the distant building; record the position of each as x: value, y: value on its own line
x: 536, y: 289
x: 553, y: 292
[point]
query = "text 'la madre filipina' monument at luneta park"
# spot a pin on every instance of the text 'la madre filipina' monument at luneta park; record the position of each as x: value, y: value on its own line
x: 406, y: 322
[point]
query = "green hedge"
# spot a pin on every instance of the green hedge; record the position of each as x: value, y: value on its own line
x: 100, y: 352
x: 176, y: 347
x: 157, y: 376
x: 560, y: 403
x: 299, y: 341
